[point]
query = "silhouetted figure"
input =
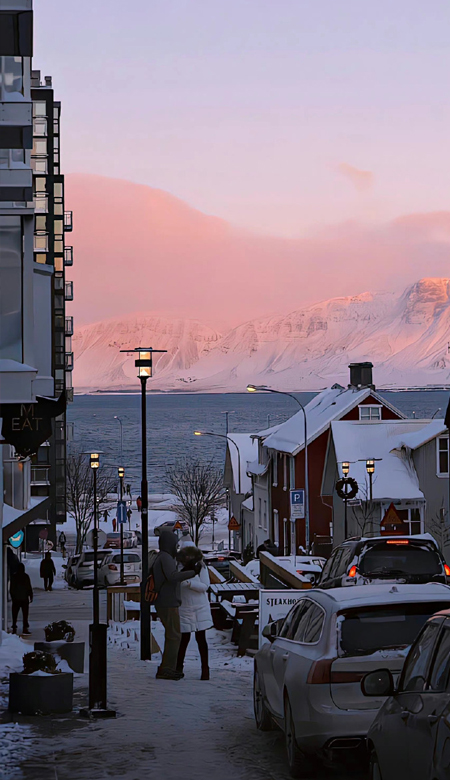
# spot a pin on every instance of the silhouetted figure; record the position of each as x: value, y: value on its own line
x: 47, y: 571
x: 21, y: 597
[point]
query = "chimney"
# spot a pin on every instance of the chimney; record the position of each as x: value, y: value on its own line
x: 361, y: 375
x: 48, y: 81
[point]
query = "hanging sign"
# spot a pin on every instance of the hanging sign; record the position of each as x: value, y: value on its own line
x: 17, y: 539
x: 27, y: 426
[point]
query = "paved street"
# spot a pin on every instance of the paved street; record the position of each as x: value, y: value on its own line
x: 163, y: 729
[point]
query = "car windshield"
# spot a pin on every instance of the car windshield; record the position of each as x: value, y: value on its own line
x: 398, y: 559
x: 364, y: 631
x: 89, y: 556
x: 127, y: 558
x: 113, y: 536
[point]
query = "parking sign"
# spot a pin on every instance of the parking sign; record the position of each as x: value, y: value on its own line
x: 297, y: 504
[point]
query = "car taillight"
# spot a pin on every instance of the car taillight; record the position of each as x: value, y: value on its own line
x: 447, y: 569
x: 352, y: 571
x: 320, y: 672
x: 346, y: 677
x: 397, y: 541
x: 112, y: 567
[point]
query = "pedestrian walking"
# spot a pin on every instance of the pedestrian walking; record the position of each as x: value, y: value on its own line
x: 195, y: 611
x: 167, y: 581
x: 47, y: 571
x: 105, y: 515
x: 21, y: 594
x: 114, y: 523
x: 139, y: 503
x: 62, y: 543
x: 129, y: 489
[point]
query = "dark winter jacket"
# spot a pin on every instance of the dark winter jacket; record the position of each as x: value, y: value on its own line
x: 47, y: 568
x: 167, y: 577
x: 20, y: 585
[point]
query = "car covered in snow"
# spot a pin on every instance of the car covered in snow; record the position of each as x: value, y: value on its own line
x: 368, y: 560
x: 307, y: 675
x: 109, y: 572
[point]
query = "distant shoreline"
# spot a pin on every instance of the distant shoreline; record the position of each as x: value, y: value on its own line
x: 418, y: 389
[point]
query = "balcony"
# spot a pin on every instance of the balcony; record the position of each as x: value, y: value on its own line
x: 69, y: 361
x: 68, y: 223
x: 68, y: 255
x: 40, y: 475
x: 16, y: 184
x: 69, y: 326
x: 68, y: 291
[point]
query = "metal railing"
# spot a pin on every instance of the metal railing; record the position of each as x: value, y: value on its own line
x: 68, y: 221
x: 69, y: 326
x: 68, y: 255
x: 68, y: 291
x: 40, y: 475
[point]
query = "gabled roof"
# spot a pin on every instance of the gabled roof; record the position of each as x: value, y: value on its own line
x: 395, y: 477
x: 413, y: 441
x: 331, y: 404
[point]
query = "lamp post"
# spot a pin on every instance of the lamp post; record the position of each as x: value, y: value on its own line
x: 227, y: 413
x: 144, y: 365
x: 264, y: 389
x: 370, y: 468
x: 97, y: 631
x: 345, y: 471
x: 121, y: 437
x: 121, y: 472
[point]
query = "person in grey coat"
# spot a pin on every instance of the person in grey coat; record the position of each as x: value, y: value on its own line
x: 167, y: 585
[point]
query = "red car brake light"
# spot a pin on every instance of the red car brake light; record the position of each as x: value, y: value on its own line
x: 447, y: 569
x: 397, y: 541
x: 352, y: 571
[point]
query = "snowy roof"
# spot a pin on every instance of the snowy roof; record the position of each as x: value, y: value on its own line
x: 395, y: 477
x: 248, y: 452
x: 257, y: 468
x: 417, y: 439
x: 330, y: 404
x: 248, y: 503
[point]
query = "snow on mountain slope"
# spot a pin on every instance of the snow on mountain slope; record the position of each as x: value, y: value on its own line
x: 406, y: 336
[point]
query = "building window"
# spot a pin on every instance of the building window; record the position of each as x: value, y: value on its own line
x: 11, y: 75
x: 40, y: 184
x: 412, y: 519
x: 41, y: 243
x: 40, y: 127
x: 39, y: 108
x: 41, y: 223
x: 40, y: 204
x: 275, y: 469
x: 367, y: 412
x: 39, y: 146
x: 39, y: 164
x: 292, y: 473
x: 442, y: 456
x: 11, y: 288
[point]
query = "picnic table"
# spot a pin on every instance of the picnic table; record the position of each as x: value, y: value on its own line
x: 226, y: 590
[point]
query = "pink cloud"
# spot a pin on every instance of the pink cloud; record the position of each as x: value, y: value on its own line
x: 361, y: 180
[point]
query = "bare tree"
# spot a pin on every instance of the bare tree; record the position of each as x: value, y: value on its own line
x: 364, y: 514
x: 80, y: 492
x: 200, y: 491
x: 439, y: 528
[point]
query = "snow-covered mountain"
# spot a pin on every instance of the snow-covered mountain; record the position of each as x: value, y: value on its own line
x: 407, y: 337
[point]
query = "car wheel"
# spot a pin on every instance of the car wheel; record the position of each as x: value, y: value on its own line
x: 374, y: 767
x: 299, y: 766
x: 262, y: 714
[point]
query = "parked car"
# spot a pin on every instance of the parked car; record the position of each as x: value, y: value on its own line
x: 309, y: 566
x: 414, y: 722
x: 221, y: 561
x: 413, y: 559
x: 69, y: 569
x: 84, y: 570
x: 109, y: 573
x: 307, y: 677
x: 169, y: 525
x: 113, y: 540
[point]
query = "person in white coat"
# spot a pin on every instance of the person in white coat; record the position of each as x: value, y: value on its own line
x: 195, y: 612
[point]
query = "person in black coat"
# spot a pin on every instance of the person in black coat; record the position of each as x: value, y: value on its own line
x: 47, y: 571
x: 21, y: 597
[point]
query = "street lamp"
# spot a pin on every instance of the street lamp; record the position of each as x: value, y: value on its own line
x: 121, y: 472
x: 121, y: 436
x: 370, y: 468
x: 97, y: 631
x: 226, y: 419
x: 345, y: 468
x: 144, y: 366
x: 264, y: 389
x: 222, y: 436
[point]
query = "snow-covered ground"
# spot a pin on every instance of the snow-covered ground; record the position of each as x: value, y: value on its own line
x: 32, y: 565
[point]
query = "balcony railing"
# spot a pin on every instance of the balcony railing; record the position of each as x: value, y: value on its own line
x: 68, y: 255
x: 68, y: 292
x: 69, y: 326
x: 40, y: 475
x: 68, y: 221
x: 69, y: 395
x: 69, y: 361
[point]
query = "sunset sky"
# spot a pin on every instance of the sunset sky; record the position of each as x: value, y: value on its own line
x: 277, y: 115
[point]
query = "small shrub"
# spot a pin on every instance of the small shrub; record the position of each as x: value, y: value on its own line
x: 39, y: 661
x: 59, y: 631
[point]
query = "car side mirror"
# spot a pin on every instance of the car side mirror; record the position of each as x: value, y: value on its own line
x: 270, y: 631
x: 378, y: 683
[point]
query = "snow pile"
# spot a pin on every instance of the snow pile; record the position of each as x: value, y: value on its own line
x: 12, y: 650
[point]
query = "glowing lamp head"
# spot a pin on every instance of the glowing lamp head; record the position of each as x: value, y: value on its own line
x: 251, y: 388
x: 94, y: 460
x: 198, y: 433
x: 121, y: 472
x: 345, y: 468
x: 370, y: 466
x: 144, y: 364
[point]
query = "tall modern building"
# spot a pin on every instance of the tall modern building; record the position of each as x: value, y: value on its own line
x: 35, y: 351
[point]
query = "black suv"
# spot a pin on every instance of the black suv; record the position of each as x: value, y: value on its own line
x: 411, y: 559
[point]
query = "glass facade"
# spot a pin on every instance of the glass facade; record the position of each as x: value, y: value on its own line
x: 11, y: 287
x: 11, y: 75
